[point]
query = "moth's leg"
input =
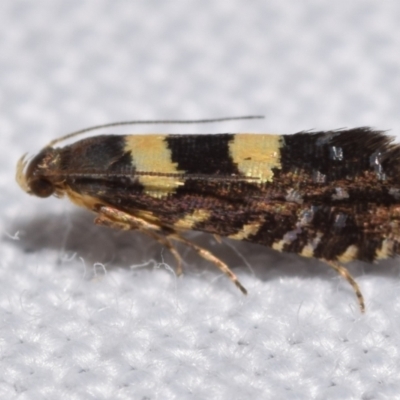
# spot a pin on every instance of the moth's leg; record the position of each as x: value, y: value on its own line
x: 116, y: 219
x: 217, y: 238
x: 346, y: 275
x: 210, y: 257
x: 164, y: 241
x: 123, y: 219
x: 105, y: 221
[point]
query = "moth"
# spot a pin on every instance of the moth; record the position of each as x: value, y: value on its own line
x: 332, y: 195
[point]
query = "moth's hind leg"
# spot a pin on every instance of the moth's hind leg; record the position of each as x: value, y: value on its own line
x: 213, y: 259
x: 340, y: 269
x: 116, y: 219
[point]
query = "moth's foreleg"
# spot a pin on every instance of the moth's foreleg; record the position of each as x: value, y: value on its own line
x: 109, y: 215
x: 207, y: 255
x: 116, y: 219
x: 346, y: 275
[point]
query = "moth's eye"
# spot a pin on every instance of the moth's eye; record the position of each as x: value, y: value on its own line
x: 41, y: 187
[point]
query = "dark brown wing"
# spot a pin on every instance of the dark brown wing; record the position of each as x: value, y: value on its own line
x: 332, y: 195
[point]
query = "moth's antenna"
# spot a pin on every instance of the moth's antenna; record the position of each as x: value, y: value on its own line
x: 161, y: 121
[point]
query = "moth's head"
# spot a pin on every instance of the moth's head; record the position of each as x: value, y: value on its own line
x: 34, y: 178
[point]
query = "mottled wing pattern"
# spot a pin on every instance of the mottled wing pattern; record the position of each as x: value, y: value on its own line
x: 331, y: 195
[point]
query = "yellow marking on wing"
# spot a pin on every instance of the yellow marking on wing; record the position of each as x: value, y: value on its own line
x: 256, y: 155
x: 151, y: 155
x: 386, y: 250
x: 279, y: 245
x: 349, y: 254
x: 189, y: 221
x: 246, y: 231
x: 307, y: 251
x: 309, y: 248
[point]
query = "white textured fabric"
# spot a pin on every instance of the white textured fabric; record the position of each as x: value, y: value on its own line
x: 88, y: 313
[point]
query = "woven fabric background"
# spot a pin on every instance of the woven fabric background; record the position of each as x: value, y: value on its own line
x: 89, y: 313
